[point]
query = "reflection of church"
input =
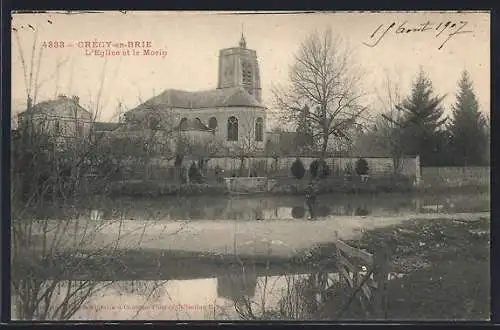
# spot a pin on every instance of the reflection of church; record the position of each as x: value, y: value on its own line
x: 232, y: 112
x: 235, y: 285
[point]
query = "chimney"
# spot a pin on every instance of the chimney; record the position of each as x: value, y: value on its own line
x: 76, y: 99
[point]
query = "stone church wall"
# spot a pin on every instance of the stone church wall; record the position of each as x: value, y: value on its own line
x: 246, y: 124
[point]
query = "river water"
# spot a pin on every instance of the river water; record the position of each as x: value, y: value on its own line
x: 237, y: 293
x: 272, y: 207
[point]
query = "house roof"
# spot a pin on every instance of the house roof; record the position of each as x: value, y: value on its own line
x: 60, y: 102
x: 215, y: 98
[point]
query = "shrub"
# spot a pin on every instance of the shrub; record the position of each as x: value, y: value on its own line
x: 182, y: 174
x: 298, y: 169
x: 362, y: 166
x: 314, y: 167
x: 194, y: 173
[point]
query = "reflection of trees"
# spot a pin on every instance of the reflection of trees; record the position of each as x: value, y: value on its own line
x: 301, y: 298
x: 323, y: 211
x: 259, y: 214
x: 298, y: 212
x: 151, y: 289
x: 361, y: 211
x: 38, y: 299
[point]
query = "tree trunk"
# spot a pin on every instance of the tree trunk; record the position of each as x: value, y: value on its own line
x: 242, y: 162
x: 324, y: 146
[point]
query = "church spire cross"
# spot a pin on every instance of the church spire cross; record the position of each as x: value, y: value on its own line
x: 243, y: 43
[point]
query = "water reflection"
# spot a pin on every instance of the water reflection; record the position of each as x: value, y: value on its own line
x: 298, y: 212
x: 274, y: 207
x: 236, y: 285
x: 292, y: 207
x: 233, y: 296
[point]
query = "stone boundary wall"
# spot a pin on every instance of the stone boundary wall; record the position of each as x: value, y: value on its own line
x: 456, y: 176
x: 410, y: 166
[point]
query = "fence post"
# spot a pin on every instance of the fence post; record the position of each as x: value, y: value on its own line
x: 382, y: 266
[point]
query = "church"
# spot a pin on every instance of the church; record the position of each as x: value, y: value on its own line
x: 232, y: 113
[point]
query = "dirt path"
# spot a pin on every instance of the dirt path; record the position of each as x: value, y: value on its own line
x: 262, y: 238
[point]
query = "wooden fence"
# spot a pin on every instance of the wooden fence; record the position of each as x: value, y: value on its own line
x: 366, y: 286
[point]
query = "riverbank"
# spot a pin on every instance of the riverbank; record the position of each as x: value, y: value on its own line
x: 199, y: 248
x: 446, y: 268
x: 286, y: 186
x: 442, y: 263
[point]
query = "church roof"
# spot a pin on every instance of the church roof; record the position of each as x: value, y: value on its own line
x: 215, y: 98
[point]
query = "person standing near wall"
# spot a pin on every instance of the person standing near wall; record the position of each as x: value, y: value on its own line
x: 311, y: 199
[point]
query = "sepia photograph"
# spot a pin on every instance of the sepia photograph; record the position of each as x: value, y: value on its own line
x: 258, y: 166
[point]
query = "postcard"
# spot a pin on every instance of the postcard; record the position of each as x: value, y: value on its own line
x: 180, y: 165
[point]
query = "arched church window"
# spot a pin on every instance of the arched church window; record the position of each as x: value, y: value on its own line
x: 212, y: 123
x: 232, y: 129
x: 259, y: 129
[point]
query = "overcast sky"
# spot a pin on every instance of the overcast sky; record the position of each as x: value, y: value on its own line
x: 192, y: 42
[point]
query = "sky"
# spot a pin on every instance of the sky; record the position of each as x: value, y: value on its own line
x: 188, y: 44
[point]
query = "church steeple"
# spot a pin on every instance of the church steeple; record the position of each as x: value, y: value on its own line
x: 243, y: 43
x: 238, y: 67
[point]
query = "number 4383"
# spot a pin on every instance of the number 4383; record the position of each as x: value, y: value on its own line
x: 53, y: 44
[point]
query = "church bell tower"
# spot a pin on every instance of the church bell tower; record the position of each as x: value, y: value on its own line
x: 238, y: 67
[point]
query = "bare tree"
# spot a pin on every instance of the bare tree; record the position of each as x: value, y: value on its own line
x: 143, y: 137
x: 200, y: 148
x: 390, y: 124
x: 326, y: 79
x: 53, y: 237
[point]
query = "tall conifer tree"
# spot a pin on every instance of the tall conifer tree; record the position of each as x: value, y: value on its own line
x: 468, y: 127
x: 423, y: 121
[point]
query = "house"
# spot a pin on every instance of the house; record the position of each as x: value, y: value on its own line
x: 63, y: 118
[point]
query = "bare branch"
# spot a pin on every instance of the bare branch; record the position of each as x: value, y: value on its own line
x: 325, y: 78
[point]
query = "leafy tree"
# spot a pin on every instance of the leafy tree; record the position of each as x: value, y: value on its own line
x: 361, y: 166
x: 319, y: 169
x: 422, y: 121
x: 194, y: 173
x: 298, y: 169
x: 468, y: 128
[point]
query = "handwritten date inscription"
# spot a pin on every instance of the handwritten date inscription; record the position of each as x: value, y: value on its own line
x: 444, y: 30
